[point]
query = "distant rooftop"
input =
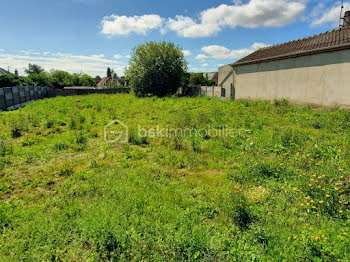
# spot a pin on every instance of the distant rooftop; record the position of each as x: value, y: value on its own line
x: 326, y: 42
x: 3, y: 71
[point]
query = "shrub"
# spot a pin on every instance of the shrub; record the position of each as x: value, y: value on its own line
x: 156, y: 68
x: 13, y: 80
x: 60, y: 79
x: 41, y: 79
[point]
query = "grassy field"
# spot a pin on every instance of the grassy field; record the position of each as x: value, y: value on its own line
x: 278, y: 190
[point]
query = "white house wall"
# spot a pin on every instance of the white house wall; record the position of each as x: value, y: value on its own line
x: 322, y: 79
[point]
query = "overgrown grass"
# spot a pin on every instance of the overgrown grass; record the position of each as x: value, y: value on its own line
x: 276, y: 190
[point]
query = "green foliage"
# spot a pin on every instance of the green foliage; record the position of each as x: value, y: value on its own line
x: 41, y: 79
x: 34, y: 69
x: 60, y: 79
x: 14, y: 80
x: 156, y: 69
x: 198, y: 79
x: 86, y: 80
x: 109, y: 72
x: 55, y: 79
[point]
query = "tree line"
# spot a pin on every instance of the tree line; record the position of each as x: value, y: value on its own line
x: 54, y: 79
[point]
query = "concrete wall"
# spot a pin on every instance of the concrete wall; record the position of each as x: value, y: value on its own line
x: 212, y: 91
x: 322, y: 79
x: 15, y: 97
x: 18, y: 96
x: 225, y: 80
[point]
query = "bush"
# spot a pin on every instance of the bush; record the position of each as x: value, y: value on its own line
x: 156, y: 69
x: 41, y: 79
x: 60, y: 79
x: 14, y: 80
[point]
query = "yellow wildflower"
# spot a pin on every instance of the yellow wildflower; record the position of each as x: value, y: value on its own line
x: 321, y: 202
x: 313, y: 207
x: 327, y: 195
x: 341, y: 211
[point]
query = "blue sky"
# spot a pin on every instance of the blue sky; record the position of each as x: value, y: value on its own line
x: 89, y: 35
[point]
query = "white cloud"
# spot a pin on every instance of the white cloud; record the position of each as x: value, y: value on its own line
x: 187, y: 27
x: 30, y: 52
x: 124, y: 25
x: 128, y: 56
x: 221, y: 52
x: 2, y: 50
x: 330, y: 15
x: 91, y: 64
x: 186, y: 52
x: 98, y: 56
x: 117, y: 56
x: 205, y: 65
x: 256, y: 13
x: 201, y: 57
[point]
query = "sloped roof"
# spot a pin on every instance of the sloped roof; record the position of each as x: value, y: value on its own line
x: 103, y: 81
x: 3, y: 71
x: 326, y: 42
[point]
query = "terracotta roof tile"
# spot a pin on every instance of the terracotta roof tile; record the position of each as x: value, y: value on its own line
x: 325, y: 41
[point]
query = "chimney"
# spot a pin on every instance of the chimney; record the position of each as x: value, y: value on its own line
x: 346, y: 18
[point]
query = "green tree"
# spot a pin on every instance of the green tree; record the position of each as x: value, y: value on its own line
x: 41, y: 79
x: 34, y: 69
x: 76, y: 79
x: 114, y: 75
x: 156, y: 68
x: 97, y: 79
x: 109, y: 73
x: 86, y: 80
x: 196, y: 79
x: 60, y: 79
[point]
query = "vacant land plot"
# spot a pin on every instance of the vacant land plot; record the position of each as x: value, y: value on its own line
x: 277, y: 190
